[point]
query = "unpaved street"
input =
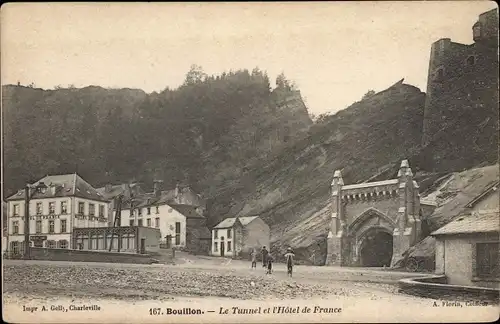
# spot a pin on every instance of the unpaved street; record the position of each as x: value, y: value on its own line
x: 159, y: 282
x: 127, y: 293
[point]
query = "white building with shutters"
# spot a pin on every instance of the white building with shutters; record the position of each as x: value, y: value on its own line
x: 68, y: 202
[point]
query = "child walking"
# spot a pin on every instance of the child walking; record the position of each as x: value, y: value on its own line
x: 254, y: 259
x: 289, y: 256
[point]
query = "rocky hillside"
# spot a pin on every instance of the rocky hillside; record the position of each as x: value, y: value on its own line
x: 291, y: 191
x: 204, y: 133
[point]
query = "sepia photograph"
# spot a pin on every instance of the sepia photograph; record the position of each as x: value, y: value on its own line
x: 250, y: 162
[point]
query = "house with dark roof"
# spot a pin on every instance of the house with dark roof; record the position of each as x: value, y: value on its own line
x: 467, y: 249
x: 179, y: 219
x: 67, y: 202
x: 238, y: 236
x: 111, y: 192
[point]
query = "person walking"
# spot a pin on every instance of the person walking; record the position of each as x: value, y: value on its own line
x: 254, y: 259
x: 289, y: 257
x: 270, y: 260
x: 264, y: 256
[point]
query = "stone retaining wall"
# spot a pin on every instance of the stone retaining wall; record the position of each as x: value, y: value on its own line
x: 436, y: 287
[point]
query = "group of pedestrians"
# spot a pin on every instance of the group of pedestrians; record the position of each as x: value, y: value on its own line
x: 268, y: 259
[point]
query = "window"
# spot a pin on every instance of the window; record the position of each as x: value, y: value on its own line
x: 91, y: 209
x: 216, y: 233
x: 39, y: 208
x: 51, y: 226
x: 131, y: 222
x: 149, y: 210
x: 64, y: 207
x: 101, y: 210
x: 228, y: 246
x: 14, y: 247
x: 148, y: 222
x: 81, y: 208
x: 131, y: 213
x: 139, y: 212
x: 90, y: 242
x: 16, y: 210
x: 38, y: 226
x: 157, y: 222
x: 15, y: 227
x: 177, y: 233
x: 471, y: 60
x: 439, y: 75
x: 52, y: 208
x: 487, y: 259
x: 62, y: 244
x: 157, y: 209
x: 63, y: 226
x: 51, y: 244
x: 216, y: 247
x: 228, y: 234
x: 139, y: 222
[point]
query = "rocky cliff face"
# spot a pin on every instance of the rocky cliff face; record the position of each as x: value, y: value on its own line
x: 291, y: 191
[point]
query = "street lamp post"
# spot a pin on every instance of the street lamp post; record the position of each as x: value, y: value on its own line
x: 27, y: 197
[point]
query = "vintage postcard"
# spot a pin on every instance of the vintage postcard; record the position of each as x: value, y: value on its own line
x: 281, y: 162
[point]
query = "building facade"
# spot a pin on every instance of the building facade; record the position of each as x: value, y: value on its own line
x: 177, y: 214
x: 467, y: 249
x: 132, y: 239
x: 68, y: 202
x: 239, y: 236
x: 373, y: 223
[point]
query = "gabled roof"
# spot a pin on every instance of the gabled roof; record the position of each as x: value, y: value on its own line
x: 187, y: 210
x: 66, y: 185
x: 229, y: 222
x: 478, y: 222
x: 115, y: 190
x: 200, y: 232
x: 490, y: 189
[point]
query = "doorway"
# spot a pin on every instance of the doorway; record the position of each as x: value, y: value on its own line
x: 376, y: 249
x: 143, y: 246
x: 222, y: 246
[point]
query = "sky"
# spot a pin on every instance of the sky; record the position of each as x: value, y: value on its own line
x: 334, y: 51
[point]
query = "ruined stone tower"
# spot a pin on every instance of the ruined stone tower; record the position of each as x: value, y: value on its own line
x: 462, y: 79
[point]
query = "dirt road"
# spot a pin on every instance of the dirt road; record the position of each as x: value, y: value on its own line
x: 129, y: 293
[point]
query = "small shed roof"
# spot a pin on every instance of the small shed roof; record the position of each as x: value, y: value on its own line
x: 477, y: 222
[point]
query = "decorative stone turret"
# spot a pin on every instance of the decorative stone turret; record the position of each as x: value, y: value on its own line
x: 337, y: 222
x: 408, y: 221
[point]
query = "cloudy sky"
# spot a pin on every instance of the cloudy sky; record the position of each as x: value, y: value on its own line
x: 334, y: 51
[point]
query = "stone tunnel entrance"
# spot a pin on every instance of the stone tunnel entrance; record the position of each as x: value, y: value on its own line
x: 376, y: 249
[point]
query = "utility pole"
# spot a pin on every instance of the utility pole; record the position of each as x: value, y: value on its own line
x: 27, y: 197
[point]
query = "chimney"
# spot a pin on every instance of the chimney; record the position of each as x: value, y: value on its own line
x: 177, y: 190
x: 53, y: 189
x: 157, y: 184
x: 107, y: 188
